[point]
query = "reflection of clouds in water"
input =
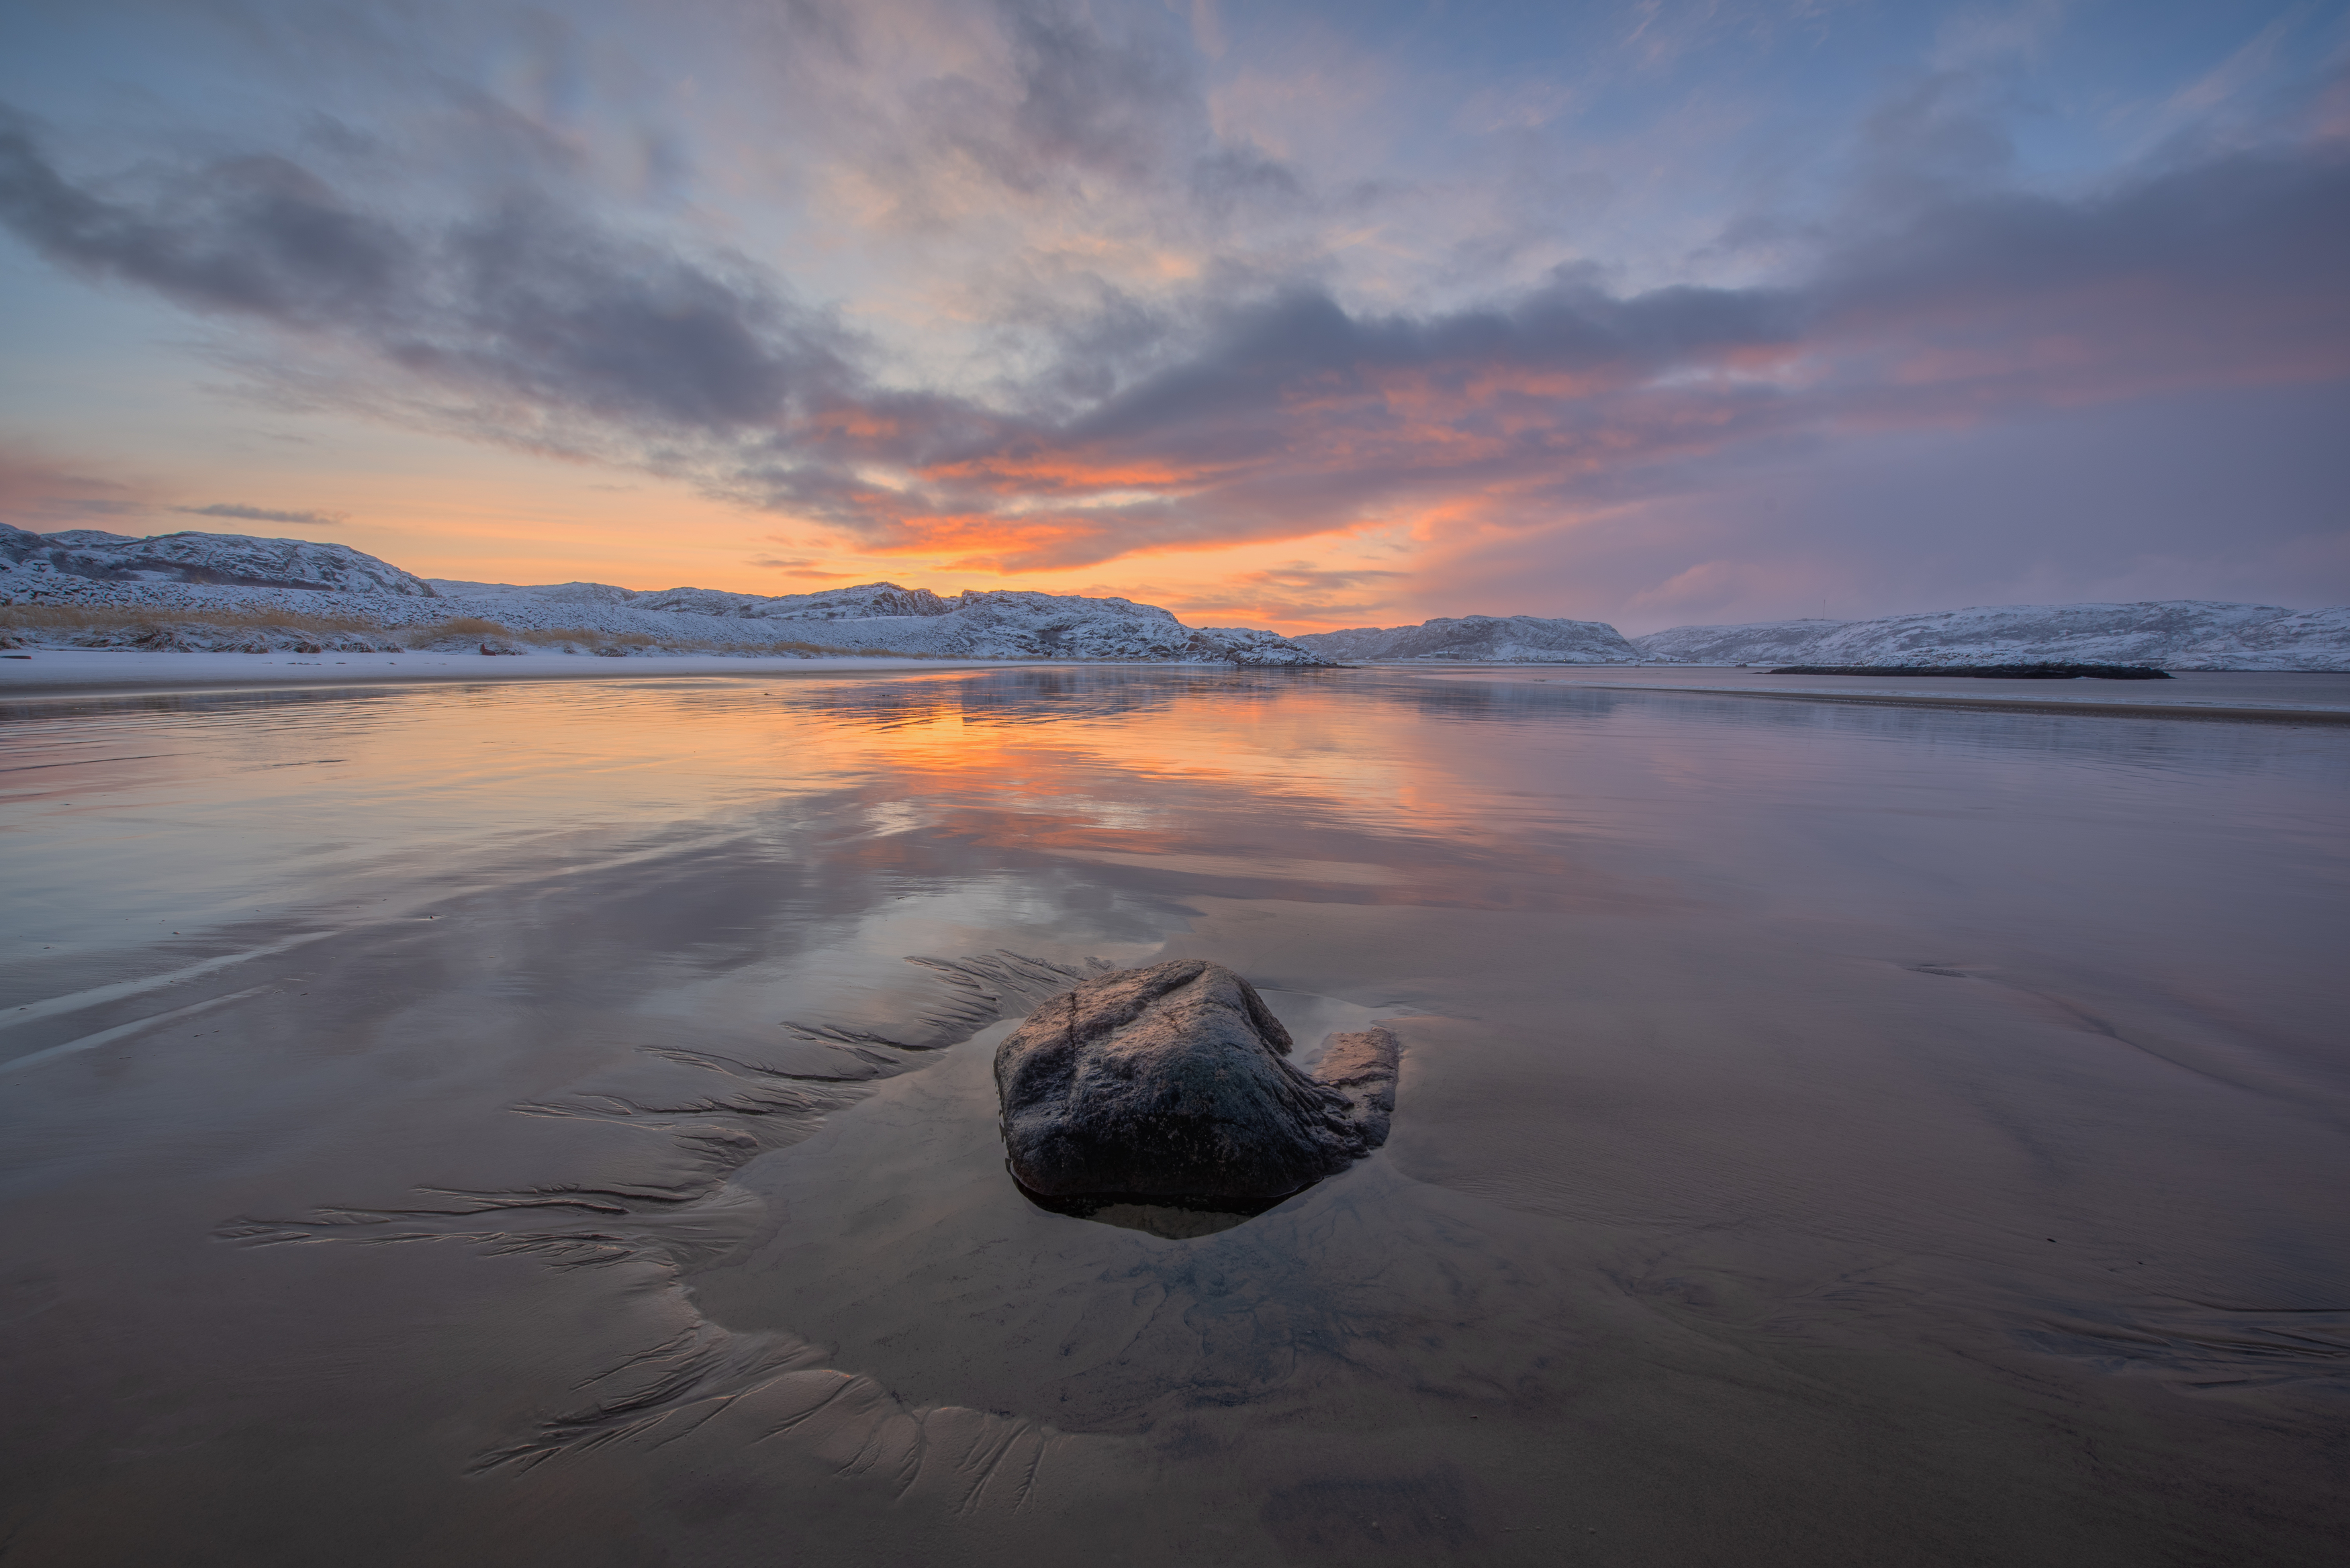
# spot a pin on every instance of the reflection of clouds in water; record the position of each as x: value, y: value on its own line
x: 1750, y: 1048
x: 884, y: 818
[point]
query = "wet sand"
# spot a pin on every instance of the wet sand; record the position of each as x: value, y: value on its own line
x: 1829, y: 1134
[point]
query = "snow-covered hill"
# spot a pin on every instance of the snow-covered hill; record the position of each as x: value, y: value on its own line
x: 220, y: 598
x: 1770, y: 641
x: 864, y: 602
x: 1480, y: 639
x: 2175, y: 634
x: 228, y: 591
x: 220, y: 559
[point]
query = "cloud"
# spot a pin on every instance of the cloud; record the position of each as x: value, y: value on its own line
x: 2234, y: 494
x: 1251, y: 408
x: 522, y: 303
x: 1103, y: 103
x: 1293, y: 594
x: 38, y: 488
x: 263, y: 513
x: 796, y: 567
x: 1302, y: 577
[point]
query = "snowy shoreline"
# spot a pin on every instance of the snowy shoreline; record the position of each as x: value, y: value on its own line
x: 2317, y: 697
x: 2290, y: 696
x: 73, y: 672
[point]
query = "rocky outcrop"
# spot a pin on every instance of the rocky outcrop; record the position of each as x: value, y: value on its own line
x: 1478, y: 640
x: 1172, y: 1084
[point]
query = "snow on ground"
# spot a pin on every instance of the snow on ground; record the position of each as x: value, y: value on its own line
x: 1765, y: 642
x: 84, y: 670
x: 2175, y: 634
x: 1480, y: 639
x: 85, y: 594
x: 230, y: 559
x: 226, y: 593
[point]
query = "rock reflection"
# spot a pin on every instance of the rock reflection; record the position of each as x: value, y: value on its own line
x: 1153, y: 1212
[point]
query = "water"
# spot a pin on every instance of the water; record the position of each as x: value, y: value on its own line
x: 500, y: 1124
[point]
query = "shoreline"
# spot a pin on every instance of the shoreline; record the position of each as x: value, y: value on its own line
x: 2237, y: 696
x: 131, y: 672
x: 2023, y: 704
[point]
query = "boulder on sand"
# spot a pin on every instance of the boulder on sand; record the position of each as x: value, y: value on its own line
x: 1172, y: 1083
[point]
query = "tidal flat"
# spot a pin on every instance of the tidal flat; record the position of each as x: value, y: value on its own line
x: 551, y: 1122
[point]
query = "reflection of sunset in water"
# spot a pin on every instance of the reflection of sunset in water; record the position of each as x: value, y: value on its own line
x: 1354, y: 786
x: 1778, y: 1080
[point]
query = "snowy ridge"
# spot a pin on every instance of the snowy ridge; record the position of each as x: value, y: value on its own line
x: 331, y: 596
x: 2174, y: 634
x: 1764, y: 642
x: 1480, y: 639
x: 864, y: 602
x: 227, y: 592
x: 222, y: 559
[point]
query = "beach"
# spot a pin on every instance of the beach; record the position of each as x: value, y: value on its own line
x: 480, y: 1119
x: 2314, y: 696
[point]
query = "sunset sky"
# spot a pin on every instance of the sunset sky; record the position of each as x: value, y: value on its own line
x: 1290, y: 315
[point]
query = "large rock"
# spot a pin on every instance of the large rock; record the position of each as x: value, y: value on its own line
x: 1172, y: 1083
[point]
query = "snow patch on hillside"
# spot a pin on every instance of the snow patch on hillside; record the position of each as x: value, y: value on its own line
x: 2174, y: 634
x: 1480, y: 639
x: 222, y: 559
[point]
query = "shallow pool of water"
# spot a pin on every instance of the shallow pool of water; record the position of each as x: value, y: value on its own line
x: 533, y: 1122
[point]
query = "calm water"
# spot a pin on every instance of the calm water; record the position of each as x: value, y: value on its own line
x: 500, y: 1124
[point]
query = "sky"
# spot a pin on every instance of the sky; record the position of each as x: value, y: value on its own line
x: 1290, y: 315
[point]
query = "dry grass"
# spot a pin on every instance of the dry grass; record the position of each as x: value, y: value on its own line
x: 463, y: 625
x: 588, y: 636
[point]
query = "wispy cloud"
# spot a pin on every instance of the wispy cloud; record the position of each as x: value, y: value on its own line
x: 38, y: 488
x: 797, y: 567
x: 264, y: 514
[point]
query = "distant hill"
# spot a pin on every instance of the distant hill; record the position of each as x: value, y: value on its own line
x: 2175, y: 634
x: 220, y: 560
x: 1478, y: 640
x: 244, y: 582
